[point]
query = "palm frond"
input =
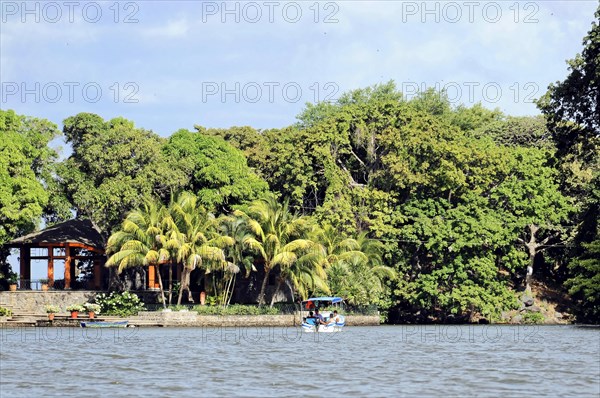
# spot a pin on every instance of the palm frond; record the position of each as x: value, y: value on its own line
x: 284, y: 259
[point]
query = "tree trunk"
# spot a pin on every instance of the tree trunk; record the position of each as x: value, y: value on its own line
x: 232, y: 288
x: 532, y: 247
x: 279, y: 283
x: 289, y: 285
x: 160, y: 284
x: 185, y: 285
x: 532, y: 253
x: 170, y: 283
x: 181, y: 285
x: 228, y: 290
x: 263, y: 287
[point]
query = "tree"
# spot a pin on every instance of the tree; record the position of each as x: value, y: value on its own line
x: 237, y: 255
x: 113, y: 169
x: 141, y: 241
x: 196, y: 241
x: 24, y: 161
x: 277, y: 234
x: 219, y: 174
x: 354, y: 266
x: 25, y: 164
x: 533, y: 204
x: 528, y: 131
x: 571, y: 106
x: 584, y: 286
x: 300, y: 269
x: 475, y: 118
x: 250, y: 141
x: 573, y: 117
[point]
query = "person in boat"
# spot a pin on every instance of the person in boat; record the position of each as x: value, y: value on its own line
x: 319, y: 320
x: 310, y: 316
x: 335, y: 317
x: 331, y: 320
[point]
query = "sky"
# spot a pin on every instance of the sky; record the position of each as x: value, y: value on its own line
x: 168, y: 65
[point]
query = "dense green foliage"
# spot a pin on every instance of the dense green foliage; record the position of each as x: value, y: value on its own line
x: 114, y: 167
x: 25, y: 160
x: 219, y: 173
x: 236, y: 309
x: 572, y: 111
x: 435, y: 212
x: 26, y: 164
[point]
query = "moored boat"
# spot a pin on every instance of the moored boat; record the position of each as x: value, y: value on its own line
x: 104, y: 324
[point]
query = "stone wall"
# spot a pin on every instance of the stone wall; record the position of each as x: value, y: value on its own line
x: 24, y: 301
x: 191, y: 318
x: 362, y: 320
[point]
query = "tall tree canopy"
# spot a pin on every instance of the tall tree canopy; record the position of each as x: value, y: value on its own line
x: 572, y: 110
x: 25, y: 165
x: 217, y: 172
x: 572, y: 107
x: 450, y: 191
x: 114, y: 167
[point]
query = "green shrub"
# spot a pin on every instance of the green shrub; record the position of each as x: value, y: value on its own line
x: 236, y: 309
x: 533, y: 317
x: 5, y: 312
x: 120, y: 304
x: 179, y: 307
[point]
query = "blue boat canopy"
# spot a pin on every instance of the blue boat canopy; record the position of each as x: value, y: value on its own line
x: 329, y: 299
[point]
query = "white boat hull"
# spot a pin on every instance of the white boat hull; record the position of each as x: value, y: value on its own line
x: 310, y: 327
x: 321, y: 329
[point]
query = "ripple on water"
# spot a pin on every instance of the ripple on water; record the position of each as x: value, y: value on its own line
x: 361, y: 361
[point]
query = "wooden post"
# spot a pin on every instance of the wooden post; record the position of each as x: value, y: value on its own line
x: 68, y: 266
x: 50, y: 266
x: 151, y: 277
x: 97, y: 274
x: 25, y: 266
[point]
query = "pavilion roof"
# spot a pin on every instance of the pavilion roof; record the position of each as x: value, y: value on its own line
x: 83, y: 232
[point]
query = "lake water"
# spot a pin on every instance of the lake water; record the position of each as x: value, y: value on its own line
x: 398, y: 361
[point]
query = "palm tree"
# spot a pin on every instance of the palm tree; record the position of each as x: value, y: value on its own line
x: 236, y: 228
x: 197, y: 244
x: 141, y: 241
x: 301, y: 270
x: 276, y: 234
x: 353, y: 265
x: 338, y: 248
x: 359, y: 282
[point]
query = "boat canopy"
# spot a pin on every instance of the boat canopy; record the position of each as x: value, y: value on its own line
x: 320, y: 301
x: 328, y: 299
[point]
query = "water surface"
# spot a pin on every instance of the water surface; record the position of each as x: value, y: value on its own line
x: 399, y: 361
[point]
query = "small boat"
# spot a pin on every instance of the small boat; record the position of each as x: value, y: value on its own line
x: 104, y: 324
x: 326, y: 305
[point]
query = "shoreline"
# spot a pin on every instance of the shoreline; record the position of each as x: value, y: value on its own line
x: 186, y: 319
